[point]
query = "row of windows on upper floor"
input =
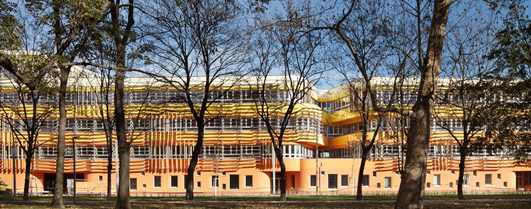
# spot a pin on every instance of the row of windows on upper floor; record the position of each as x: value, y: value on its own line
x: 178, y: 124
x: 410, y: 97
x: 397, y: 125
x: 167, y: 152
x: 156, y: 97
x: 254, y: 152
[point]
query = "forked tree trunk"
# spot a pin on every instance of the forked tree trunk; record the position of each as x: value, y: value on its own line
x: 412, y: 185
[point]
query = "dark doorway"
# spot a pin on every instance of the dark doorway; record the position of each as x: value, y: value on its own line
x: 49, y: 181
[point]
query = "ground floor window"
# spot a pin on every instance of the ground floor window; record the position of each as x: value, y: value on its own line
x: 437, y: 180
x: 292, y: 181
x: 249, y: 181
x: 313, y: 180
x: 234, y: 182
x: 332, y: 181
x: 488, y: 179
x: 365, y: 181
x: 173, y: 181
x: 132, y: 183
x: 215, y: 181
x: 157, y: 182
x: 344, y: 180
x: 387, y: 182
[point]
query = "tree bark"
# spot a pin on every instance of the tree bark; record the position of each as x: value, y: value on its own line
x: 461, y: 174
x: 27, y: 175
x: 60, y: 162
x: 193, y: 163
x: 282, y: 176
x: 109, y: 167
x: 123, y: 145
x: 412, y: 185
x: 359, y: 194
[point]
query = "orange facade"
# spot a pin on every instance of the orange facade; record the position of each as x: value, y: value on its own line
x: 237, y: 158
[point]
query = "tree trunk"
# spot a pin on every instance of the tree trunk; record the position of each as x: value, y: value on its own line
x: 109, y: 169
x: 461, y: 174
x: 193, y: 162
x: 282, y: 176
x: 412, y: 185
x: 359, y: 191
x: 60, y: 162
x: 123, y: 145
x: 27, y: 175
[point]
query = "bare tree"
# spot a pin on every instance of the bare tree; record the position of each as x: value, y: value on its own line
x: 295, y: 53
x: 411, y: 192
x: 29, y: 107
x: 198, y: 38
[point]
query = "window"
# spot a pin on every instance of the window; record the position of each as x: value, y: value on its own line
x: 224, y: 186
x: 451, y: 185
x: 437, y: 180
x: 477, y: 184
x: 249, y: 181
x: 365, y: 181
x: 156, y: 181
x: 453, y: 172
x: 378, y: 185
x: 215, y: 181
x: 374, y: 174
x: 344, y: 180
x: 504, y: 184
x: 428, y: 172
x: 322, y: 173
x: 488, y: 179
x: 387, y: 182
x: 332, y: 181
x: 132, y: 183
x: 173, y: 181
x: 198, y: 173
x: 234, y: 182
x: 499, y: 176
x: 292, y: 181
x: 143, y: 186
x: 100, y: 178
x: 198, y: 184
x: 143, y: 174
x: 475, y: 173
x: 313, y: 180
x: 428, y: 185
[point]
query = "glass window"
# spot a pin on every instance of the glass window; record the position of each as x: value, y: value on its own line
x: 249, y: 181
x: 437, y: 180
x: 313, y: 180
x: 365, y: 181
x: 215, y: 181
x: 344, y: 180
x: 157, y: 182
x: 292, y: 181
x: 173, y: 181
x: 387, y: 182
x: 332, y: 181
x: 488, y: 179
x: 132, y: 183
x: 234, y: 182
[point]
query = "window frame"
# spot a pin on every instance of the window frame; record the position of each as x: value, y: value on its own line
x: 386, y: 184
x: 237, y: 183
x: 155, y: 181
x: 176, y: 182
x: 331, y: 182
x: 315, y: 181
x: 343, y: 183
x: 247, y: 181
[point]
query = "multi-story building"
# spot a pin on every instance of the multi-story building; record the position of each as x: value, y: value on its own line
x: 321, y: 146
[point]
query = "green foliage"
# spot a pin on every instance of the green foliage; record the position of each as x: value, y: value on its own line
x: 10, y: 28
